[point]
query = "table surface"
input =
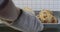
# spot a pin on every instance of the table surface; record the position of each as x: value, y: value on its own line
x: 47, y: 28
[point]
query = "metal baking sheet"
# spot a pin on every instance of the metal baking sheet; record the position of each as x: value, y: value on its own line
x: 56, y: 13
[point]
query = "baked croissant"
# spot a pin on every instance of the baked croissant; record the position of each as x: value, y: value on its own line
x: 47, y: 16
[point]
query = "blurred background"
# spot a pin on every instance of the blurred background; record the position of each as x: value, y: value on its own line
x: 39, y: 4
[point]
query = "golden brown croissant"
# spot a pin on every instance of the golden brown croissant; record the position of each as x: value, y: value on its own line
x: 46, y: 16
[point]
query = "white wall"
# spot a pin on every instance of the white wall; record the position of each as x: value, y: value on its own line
x: 39, y: 4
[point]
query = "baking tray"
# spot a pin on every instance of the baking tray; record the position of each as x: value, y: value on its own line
x: 56, y: 14
x: 52, y: 26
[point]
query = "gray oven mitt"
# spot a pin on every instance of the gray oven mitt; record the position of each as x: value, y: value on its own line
x: 26, y: 23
